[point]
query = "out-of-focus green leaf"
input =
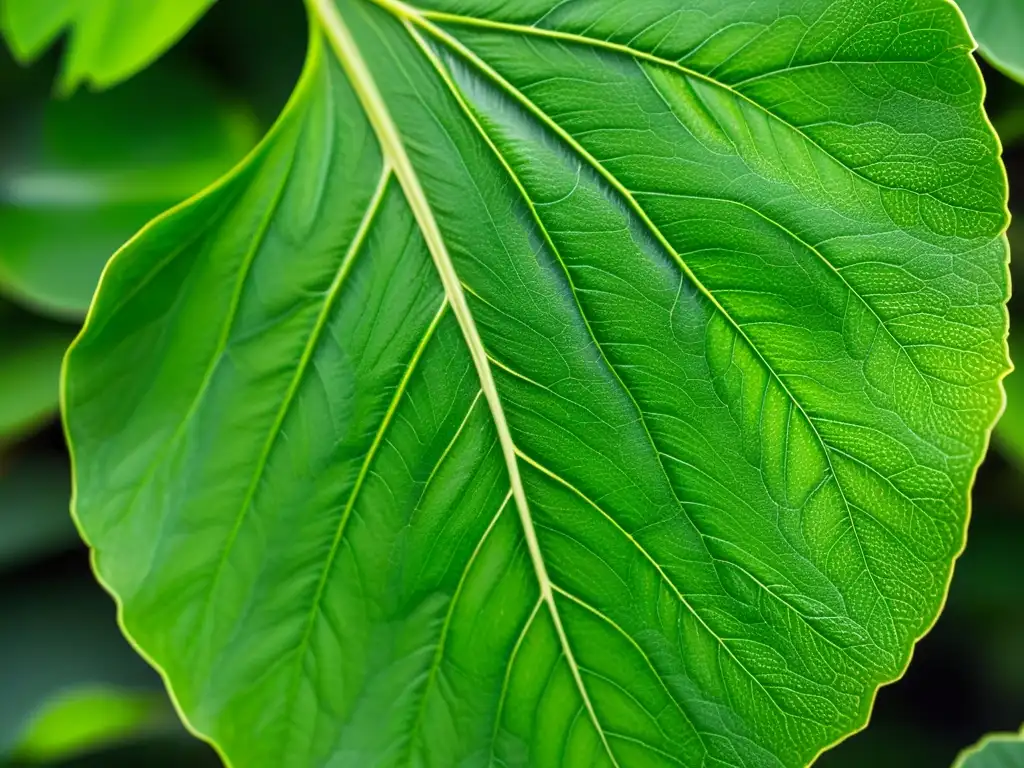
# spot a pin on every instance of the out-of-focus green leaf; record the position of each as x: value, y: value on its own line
x: 998, y: 26
x: 999, y: 750
x: 109, y: 40
x: 35, y: 493
x: 1010, y: 431
x: 560, y: 384
x: 1010, y: 125
x: 79, y: 177
x: 31, y: 350
x: 59, y: 636
x: 88, y: 719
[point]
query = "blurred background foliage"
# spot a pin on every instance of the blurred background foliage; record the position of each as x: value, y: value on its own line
x: 81, y: 171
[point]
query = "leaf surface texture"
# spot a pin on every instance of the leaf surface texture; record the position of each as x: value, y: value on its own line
x: 559, y: 384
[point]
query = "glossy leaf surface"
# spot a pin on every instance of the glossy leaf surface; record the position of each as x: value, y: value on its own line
x: 80, y: 176
x: 559, y: 384
x: 1002, y: 750
x: 109, y: 40
x: 998, y: 26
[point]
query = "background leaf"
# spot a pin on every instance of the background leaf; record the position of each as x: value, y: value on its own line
x: 78, y: 177
x: 67, y: 641
x: 109, y: 40
x: 1010, y: 433
x: 84, y: 720
x: 558, y: 384
x: 160, y: 751
x: 998, y: 26
x: 1003, y: 750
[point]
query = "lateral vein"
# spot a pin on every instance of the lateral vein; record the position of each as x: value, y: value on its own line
x: 412, y: 16
x: 362, y: 80
x: 364, y: 471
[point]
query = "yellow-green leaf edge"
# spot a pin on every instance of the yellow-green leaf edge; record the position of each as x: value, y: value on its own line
x: 316, y: 42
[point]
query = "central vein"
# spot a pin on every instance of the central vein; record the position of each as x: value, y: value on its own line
x: 395, y: 155
x: 352, y: 61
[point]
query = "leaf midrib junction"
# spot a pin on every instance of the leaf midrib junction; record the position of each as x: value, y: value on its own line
x: 409, y: 14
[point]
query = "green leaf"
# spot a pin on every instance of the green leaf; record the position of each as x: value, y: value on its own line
x: 559, y: 384
x: 35, y: 494
x: 59, y: 640
x: 31, y: 350
x: 89, y: 719
x: 998, y: 26
x: 79, y: 177
x: 1010, y: 432
x: 997, y: 750
x: 109, y: 40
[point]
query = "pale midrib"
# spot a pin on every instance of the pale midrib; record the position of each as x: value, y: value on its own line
x: 393, y: 149
x: 639, y: 411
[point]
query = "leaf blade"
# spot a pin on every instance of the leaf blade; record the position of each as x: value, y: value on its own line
x: 692, y: 453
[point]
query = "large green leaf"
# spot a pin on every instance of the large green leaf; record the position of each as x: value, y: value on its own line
x: 559, y: 384
x: 80, y: 176
x: 110, y: 40
x: 998, y: 26
x: 998, y: 750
